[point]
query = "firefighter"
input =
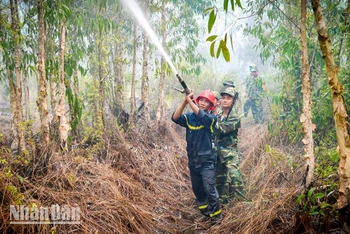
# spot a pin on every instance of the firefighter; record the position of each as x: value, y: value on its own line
x: 199, y: 126
x: 229, y: 182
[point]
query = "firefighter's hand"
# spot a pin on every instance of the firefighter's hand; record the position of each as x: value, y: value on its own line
x: 190, y: 97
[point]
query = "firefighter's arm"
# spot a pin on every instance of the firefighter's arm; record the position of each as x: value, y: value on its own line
x: 179, y: 110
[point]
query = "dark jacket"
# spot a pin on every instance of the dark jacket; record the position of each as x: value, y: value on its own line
x: 199, y: 131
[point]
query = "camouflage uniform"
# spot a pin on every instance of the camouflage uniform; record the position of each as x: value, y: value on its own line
x: 217, y: 97
x: 229, y: 182
x: 255, y: 93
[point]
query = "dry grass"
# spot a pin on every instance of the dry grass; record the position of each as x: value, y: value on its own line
x: 143, y: 186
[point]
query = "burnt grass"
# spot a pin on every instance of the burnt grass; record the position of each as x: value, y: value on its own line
x: 138, y: 182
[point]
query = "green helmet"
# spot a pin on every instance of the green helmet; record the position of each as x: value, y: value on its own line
x: 217, y: 95
x: 229, y: 91
x: 253, y: 68
x: 229, y: 83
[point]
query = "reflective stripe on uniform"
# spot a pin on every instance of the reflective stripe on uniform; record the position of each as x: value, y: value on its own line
x: 193, y: 127
x: 200, y: 126
x: 215, y: 213
x: 211, y: 126
x: 203, y: 207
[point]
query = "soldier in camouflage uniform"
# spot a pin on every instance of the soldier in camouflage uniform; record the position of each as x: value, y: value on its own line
x: 255, y: 92
x: 229, y: 182
x: 229, y: 83
x: 216, y: 108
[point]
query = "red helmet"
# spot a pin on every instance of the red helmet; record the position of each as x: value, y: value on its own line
x: 209, y: 95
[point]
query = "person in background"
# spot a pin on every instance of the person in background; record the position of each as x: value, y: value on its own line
x: 199, y: 126
x: 255, y: 92
x: 229, y: 182
x: 229, y: 83
x: 216, y: 108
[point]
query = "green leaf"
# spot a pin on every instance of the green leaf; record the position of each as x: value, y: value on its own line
x: 226, y: 5
x: 226, y: 53
x: 309, y: 193
x: 219, y: 50
x: 212, y: 49
x: 20, y: 178
x: 208, y: 9
x: 212, y: 18
x: 301, y: 196
x: 232, y: 4
x: 313, y: 213
x: 318, y: 195
x: 305, y: 205
x: 324, y: 205
x: 239, y: 4
x: 212, y: 38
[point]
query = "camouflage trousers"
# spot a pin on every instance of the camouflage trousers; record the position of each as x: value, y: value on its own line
x: 257, y: 109
x: 228, y: 177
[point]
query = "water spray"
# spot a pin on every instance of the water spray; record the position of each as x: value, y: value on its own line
x: 135, y: 9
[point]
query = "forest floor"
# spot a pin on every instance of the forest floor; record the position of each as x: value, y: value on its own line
x: 141, y: 184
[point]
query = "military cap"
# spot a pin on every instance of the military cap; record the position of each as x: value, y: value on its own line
x: 229, y: 91
x: 217, y: 95
x: 253, y: 68
x: 229, y: 83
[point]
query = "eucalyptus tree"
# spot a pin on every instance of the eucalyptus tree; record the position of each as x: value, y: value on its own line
x: 306, y: 116
x: 16, y: 38
x: 42, y: 96
x: 6, y: 45
x: 340, y: 111
x: 117, y: 56
x: 64, y: 126
x: 160, y: 107
x: 133, y: 77
x: 144, y: 78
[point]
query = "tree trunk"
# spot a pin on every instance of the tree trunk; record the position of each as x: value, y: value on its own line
x: 13, y: 103
x: 12, y: 87
x: 121, y: 75
x: 343, y: 31
x: 120, y: 56
x: 52, y: 81
x: 118, y: 67
x: 19, y: 110
x: 306, y: 117
x: 26, y: 101
x: 339, y: 110
x: 132, y: 98
x: 64, y: 126
x: 160, y: 107
x: 76, y: 81
x: 144, y: 84
x: 100, y: 105
x: 144, y: 81
x: 53, y: 99
x: 42, y: 96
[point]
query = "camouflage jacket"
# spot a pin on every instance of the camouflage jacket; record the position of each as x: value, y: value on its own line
x: 226, y: 130
x: 255, y: 88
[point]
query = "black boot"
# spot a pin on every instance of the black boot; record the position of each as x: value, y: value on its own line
x: 216, y: 219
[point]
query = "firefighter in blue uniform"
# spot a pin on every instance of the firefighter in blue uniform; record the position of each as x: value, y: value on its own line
x: 199, y: 129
